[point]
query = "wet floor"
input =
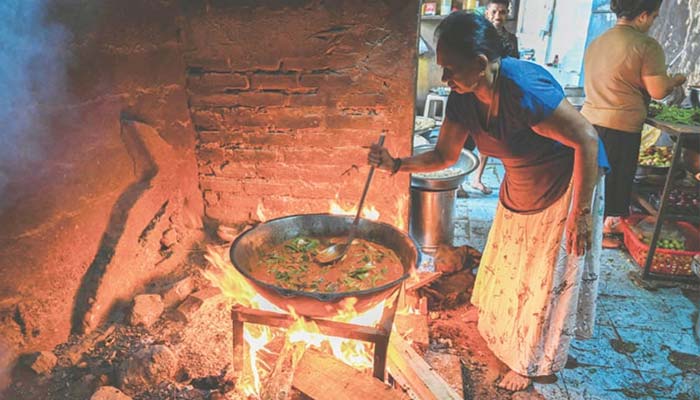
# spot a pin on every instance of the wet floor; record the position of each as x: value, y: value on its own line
x: 644, y: 346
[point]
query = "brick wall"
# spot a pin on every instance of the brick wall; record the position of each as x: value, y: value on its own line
x: 284, y: 94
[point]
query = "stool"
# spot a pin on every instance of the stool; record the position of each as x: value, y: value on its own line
x: 435, y: 106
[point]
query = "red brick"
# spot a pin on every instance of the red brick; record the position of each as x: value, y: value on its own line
x: 222, y: 185
x: 232, y: 209
x: 286, y: 172
x: 319, y: 98
x: 251, y: 136
x: 278, y: 206
x: 238, y: 155
x: 216, y: 82
x: 346, y: 156
x: 236, y: 117
x: 296, y: 119
x: 281, y: 142
x: 320, y: 63
x: 340, y: 137
x: 277, y: 81
x: 365, y: 99
x: 246, y: 99
x: 326, y: 80
x: 238, y: 170
x: 207, y: 62
x: 337, y: 121
x: 217, y: 136
x: 292, y: 188
x: 210, y: 155
x: 211, y: 198
x: 205, y: 169
x: 283, y: 118
x: 207, y: 119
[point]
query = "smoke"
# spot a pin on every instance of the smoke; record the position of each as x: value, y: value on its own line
x: 32, y: 75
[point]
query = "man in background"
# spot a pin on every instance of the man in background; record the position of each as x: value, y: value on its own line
x: 496, y: 12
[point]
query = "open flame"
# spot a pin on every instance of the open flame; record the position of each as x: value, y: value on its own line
x: 260, y: 212
x: 368, y: 212
x: 401, y: 212
x: 235, y: 287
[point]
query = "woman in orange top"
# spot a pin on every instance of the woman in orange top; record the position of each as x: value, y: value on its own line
x: 624, y: 68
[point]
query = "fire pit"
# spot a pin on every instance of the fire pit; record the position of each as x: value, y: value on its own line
x: 244, y: 255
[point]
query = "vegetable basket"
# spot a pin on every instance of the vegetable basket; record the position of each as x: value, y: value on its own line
x: 665, y: 261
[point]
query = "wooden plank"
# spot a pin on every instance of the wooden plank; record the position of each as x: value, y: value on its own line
x: 279, y: 383
x: 413, y: 327
x: 238, y: 339
x: 421, y: 279
x: 323, y: 377
x: 326, y: 327
x: 405, y: 365
x: 676, y: 129
x: 386, y: 324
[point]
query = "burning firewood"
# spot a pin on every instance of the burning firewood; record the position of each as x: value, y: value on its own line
x: 323, y: 377
x: 279, y: 384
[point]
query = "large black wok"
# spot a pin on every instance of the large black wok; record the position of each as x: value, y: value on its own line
x: 244, y: 255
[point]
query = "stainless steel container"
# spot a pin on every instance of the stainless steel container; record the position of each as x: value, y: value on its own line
x: 694, y: 95
x: 433, y: 202
x: 432, y: 217
x: 466, y: 163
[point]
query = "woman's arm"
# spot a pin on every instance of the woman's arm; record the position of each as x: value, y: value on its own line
x: 446, y: 152
x: 660, y: 86
x: 569, y: 127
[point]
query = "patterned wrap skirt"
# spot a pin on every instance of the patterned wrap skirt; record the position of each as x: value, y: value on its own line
x: 532, y: 296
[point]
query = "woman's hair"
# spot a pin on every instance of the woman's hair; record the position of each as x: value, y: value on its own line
x: 631, y: 9
x: 469, y: 35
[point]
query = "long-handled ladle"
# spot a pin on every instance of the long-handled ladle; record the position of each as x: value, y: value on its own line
x: 333, y: 253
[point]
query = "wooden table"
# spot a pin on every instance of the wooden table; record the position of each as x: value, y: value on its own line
x: 681, y: 132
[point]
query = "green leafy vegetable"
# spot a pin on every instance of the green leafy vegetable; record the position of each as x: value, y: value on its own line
x: 674, y: 114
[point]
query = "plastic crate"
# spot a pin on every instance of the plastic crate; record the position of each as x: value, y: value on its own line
x: 665, y: 261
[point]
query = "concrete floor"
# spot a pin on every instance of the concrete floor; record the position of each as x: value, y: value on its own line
x: 642, y: 333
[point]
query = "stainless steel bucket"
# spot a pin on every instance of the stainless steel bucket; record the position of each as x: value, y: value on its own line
x: 432, y: 217
x: 433, y: 203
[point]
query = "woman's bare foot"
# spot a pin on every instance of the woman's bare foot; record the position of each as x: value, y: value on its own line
x: 612, y: 225
x: 481, y: 187
x: 514, y: 382
x: 611, y: 242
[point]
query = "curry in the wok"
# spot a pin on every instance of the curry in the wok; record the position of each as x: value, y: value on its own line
x: 291, y: 265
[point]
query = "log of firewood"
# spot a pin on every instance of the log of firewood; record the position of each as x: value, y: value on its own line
x: 409, y: 368
x: 279, y: 383
x: 413, y: 327
x: 323, y: 377
x: 422, y: 279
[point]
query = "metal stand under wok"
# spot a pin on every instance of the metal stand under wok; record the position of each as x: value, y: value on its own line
x: 378, y: 335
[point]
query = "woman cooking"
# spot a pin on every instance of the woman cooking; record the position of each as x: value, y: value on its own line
x: 618, y: 90
x: 537, y: 281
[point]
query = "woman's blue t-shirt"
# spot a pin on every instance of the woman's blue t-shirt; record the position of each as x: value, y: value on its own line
x: 538, y: 169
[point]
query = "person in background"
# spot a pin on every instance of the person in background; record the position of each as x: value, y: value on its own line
x: 623, y: 68
x: 537, y: 281
x: 496, y: 12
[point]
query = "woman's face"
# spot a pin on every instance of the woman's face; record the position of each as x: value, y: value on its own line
x: 460, y: 75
